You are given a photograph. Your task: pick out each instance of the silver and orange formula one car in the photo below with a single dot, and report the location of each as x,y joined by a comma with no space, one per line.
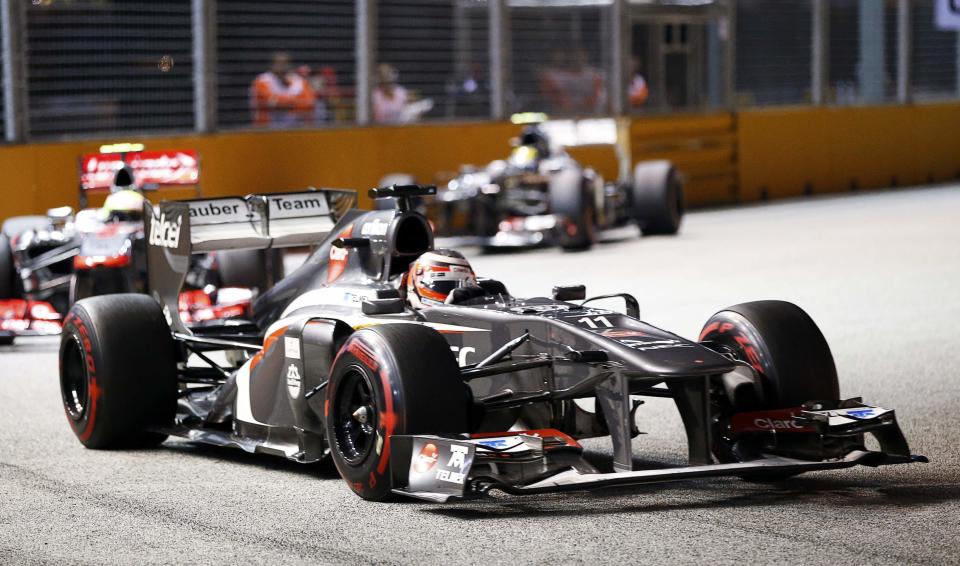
452,399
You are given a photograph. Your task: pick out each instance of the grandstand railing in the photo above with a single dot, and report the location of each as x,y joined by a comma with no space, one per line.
83,68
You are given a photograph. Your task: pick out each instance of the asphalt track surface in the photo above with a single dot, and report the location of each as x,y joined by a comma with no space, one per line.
879,272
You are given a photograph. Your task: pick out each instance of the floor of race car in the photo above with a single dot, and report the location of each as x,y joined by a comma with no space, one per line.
878,272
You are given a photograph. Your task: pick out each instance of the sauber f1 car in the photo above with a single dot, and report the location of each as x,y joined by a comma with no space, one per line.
419,379
540,195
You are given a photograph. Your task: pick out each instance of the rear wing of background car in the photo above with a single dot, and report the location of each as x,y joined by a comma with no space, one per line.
602,143
152,170
175,230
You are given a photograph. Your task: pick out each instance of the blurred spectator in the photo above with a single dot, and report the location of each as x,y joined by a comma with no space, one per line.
281,96
303,97
328,94
269,94
469,94
389,98
638,90
574,88
393,104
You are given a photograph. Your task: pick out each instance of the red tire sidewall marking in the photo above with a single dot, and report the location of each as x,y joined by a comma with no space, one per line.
740,340
84,427
366,354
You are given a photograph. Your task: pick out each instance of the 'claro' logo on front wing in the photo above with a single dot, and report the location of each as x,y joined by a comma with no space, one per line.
777,424
165,233
777,420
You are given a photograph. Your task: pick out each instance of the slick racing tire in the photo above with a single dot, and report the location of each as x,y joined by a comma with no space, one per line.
658,202
8,273
250,268
118,371
571,203
783,345
787,351
388,380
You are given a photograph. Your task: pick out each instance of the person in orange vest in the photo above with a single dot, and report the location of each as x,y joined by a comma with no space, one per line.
303,102
272,95
639,91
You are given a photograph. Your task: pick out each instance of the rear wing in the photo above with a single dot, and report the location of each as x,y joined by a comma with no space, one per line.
152,170
175,230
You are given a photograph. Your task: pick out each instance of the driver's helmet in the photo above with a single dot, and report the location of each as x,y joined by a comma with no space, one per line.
124,180
124,205
525,157
532,146
534,136
435,275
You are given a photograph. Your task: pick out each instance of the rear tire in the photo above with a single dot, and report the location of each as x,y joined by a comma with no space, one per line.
118,375
407,382
571,203
658,203
250,268
8,273
787,351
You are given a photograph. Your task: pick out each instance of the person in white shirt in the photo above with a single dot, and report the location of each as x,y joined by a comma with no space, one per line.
389,98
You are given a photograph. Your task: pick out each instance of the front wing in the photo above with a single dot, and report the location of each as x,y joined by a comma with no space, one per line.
438,468
21,317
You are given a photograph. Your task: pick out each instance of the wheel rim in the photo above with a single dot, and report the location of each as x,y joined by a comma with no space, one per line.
355,416
73,379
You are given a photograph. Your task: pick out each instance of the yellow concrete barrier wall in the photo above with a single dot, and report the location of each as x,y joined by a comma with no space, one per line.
725,157
40,176
703,147
794,151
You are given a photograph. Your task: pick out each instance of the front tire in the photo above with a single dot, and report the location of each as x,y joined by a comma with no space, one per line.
571,203
785,347
658,202
118,377
389,380
787,351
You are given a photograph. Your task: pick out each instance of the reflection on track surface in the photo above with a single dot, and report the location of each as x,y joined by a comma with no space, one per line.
878,272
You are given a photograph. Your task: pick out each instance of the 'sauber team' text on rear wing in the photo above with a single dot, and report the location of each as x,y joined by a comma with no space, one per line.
177,229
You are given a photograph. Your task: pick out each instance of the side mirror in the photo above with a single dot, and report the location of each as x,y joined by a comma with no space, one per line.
633,305
570,292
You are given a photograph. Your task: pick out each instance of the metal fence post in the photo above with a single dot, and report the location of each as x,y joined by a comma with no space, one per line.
619,59
820,52
499,47
204,23
13,26
904,50
730,60
366,46
870,73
